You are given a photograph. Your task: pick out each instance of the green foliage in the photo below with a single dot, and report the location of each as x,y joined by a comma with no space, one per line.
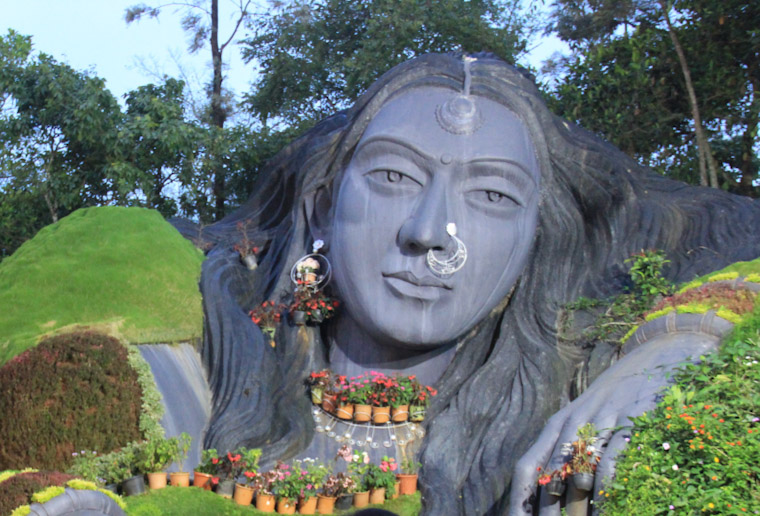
646,273
152,407
127,271
316,56
18,489
624,81
382,476
699,449
72,392
47,494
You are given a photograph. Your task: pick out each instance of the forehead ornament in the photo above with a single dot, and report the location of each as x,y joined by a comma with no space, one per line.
460,114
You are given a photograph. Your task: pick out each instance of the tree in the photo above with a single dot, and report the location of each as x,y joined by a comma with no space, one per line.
316,56
673,85
201,22
57,136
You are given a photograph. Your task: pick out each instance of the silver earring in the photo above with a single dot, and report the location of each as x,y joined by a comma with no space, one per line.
451,259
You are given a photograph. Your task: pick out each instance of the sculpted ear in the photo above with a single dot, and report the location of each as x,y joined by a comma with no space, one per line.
318,208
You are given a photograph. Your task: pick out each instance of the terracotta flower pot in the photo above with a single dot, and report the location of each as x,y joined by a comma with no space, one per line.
381,415
377,496
345,411
265,502
408,484
202,480
400,414
325,504
286,506
362,413
396,490
307,505
243,494
329,402
361,499
180,479
157,480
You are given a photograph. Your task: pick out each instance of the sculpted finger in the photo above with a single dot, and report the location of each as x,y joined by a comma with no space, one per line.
605,472
526,470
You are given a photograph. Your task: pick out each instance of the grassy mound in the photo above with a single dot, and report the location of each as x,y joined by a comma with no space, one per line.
18,489
122,271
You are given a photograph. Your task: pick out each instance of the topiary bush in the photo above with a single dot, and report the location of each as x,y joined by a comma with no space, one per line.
18,489
72,392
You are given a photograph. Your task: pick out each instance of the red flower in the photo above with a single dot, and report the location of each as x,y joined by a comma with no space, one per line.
214,461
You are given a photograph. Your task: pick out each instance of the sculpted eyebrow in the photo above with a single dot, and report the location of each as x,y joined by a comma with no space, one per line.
391,144
512,171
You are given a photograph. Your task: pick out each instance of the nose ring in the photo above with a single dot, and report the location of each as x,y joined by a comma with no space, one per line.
451,259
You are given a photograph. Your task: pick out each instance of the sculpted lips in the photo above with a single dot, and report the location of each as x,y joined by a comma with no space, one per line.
406,284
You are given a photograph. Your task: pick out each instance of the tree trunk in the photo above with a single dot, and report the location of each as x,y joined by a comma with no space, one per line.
217,112
704,152
747,163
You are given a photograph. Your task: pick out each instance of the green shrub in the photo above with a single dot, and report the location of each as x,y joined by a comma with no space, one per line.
72,392
18,489
698,451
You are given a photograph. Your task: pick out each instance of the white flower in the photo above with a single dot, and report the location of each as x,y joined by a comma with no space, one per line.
675,467
666,446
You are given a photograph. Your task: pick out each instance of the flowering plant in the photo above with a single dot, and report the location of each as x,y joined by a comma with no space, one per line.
209,462
422,394
338,485
356,390
232,465
313,473
314,303
319,379
289,482
267,317
263,483
584,456
382,476
557,474
401,392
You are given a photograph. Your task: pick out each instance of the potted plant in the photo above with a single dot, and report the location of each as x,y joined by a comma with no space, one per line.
127,462
250,463
420,401
313,473
335,487
381,480
319,382
400,395
267,317
231,467
311,306
357,469
408,476
245,247
287,487
180,446
206,475
381,386
263,484
553,482
584,457
157,455
358,392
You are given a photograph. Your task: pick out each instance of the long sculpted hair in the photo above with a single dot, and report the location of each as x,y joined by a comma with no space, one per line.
510,373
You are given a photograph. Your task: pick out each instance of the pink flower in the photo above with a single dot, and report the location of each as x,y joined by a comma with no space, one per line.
394,466
309,486
384,467
366,458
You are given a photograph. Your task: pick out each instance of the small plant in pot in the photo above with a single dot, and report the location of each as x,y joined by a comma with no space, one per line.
180,446
250,463
267,317
311,306
158,453
381,480
553,481
319,382
312,473
420,400
409,474
263,484
584,457
287,487
231,467
206,475
245,247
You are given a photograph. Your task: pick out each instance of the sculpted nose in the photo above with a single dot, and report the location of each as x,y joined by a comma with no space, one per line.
426,226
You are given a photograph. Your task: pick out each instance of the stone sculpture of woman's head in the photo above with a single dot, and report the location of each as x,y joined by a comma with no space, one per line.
441,151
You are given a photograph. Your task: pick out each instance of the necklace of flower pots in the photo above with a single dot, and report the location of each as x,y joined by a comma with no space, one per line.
366,434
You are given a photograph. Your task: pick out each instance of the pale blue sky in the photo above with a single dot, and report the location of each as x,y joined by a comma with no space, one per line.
92,35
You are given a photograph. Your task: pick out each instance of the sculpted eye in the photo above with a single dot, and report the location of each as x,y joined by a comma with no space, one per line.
393,176
498,198
495,196
392,181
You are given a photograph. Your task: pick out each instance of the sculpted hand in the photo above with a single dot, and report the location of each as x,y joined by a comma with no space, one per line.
627,389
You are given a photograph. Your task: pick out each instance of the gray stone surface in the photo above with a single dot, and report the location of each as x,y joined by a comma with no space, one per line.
76,502
181,380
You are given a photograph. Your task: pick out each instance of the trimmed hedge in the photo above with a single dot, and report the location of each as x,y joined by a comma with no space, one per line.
18,489
72,392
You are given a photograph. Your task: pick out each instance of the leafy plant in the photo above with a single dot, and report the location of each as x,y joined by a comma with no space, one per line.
382,476
158,454
583,455
180,446
314,303
646,273
209,462
267,317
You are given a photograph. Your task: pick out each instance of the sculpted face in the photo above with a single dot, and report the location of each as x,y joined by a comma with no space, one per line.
412,174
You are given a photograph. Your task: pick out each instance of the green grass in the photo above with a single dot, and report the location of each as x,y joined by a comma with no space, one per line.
183,500
125,271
